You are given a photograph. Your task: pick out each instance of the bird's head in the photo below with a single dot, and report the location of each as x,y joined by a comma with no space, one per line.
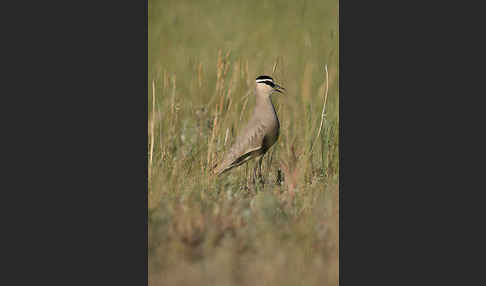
266,85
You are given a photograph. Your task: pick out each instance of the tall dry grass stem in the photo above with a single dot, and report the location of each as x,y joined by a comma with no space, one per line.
152,135
323,110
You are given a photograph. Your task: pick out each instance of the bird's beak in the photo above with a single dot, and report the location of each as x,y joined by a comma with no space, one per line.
279,89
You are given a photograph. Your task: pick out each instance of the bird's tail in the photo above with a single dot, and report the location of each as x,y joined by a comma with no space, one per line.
219,169
215,170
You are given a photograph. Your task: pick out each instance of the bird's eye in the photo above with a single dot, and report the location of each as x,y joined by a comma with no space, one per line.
270,83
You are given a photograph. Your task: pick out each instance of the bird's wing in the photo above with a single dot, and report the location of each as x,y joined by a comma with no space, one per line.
247,144
220,169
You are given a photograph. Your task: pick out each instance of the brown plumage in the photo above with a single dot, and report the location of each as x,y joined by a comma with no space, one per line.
260,133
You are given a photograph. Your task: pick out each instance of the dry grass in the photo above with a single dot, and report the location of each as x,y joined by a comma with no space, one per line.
205,231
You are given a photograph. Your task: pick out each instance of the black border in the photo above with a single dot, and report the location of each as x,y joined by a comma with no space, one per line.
400,72
84,213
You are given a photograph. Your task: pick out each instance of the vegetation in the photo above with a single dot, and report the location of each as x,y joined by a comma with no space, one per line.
203,59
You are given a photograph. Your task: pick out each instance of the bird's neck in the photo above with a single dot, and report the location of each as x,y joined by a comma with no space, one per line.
266,102
263,100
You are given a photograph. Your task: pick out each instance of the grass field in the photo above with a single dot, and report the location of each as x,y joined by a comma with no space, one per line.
203,59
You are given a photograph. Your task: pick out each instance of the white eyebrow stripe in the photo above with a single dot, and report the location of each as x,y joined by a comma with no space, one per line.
264,79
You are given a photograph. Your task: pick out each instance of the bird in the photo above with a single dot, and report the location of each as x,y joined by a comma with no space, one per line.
260,133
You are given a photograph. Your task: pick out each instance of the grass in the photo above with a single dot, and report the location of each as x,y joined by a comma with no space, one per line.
203,59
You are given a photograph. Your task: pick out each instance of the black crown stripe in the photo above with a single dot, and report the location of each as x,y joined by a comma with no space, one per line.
264,77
